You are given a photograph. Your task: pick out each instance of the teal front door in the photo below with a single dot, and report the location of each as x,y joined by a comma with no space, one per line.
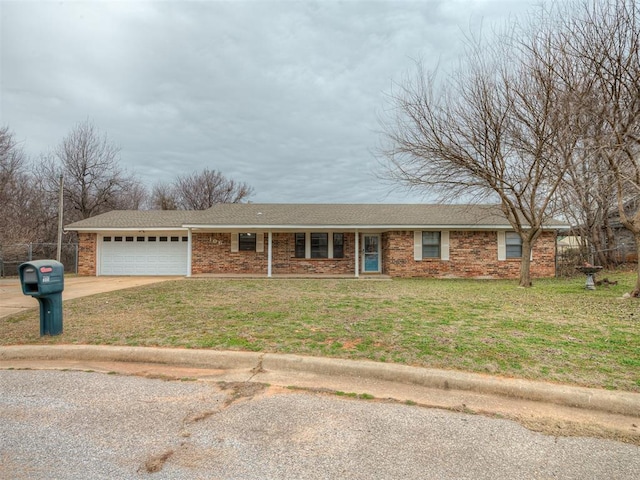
371,260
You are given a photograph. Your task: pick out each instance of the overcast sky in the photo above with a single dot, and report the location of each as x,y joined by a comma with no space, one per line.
283,95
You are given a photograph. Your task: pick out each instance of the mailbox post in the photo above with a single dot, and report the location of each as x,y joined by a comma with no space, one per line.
44,280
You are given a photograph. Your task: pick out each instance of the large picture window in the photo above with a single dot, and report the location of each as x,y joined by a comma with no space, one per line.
430,244
247,242
513,245
319,245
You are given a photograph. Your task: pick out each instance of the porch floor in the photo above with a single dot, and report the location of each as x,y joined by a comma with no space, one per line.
367,276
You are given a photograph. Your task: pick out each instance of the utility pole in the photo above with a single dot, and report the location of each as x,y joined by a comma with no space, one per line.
60,210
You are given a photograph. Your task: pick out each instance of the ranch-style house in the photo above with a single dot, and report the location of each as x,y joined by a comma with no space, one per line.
411,240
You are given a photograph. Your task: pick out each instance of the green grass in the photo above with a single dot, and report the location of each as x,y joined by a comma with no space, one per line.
555,331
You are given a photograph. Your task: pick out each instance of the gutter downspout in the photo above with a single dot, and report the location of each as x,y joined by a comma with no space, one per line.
189,245
269,252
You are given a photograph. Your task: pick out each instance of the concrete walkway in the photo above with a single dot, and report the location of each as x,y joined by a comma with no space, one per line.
552,408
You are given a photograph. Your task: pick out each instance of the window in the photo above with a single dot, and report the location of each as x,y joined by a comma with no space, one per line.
430,244
514,245
163,239
319,245
184,239
300,245
338,245
247,242
152,239
128,239
106,239
117,239
175,239
140,239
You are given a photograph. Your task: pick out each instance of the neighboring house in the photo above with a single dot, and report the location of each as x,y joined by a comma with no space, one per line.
622,240
442,241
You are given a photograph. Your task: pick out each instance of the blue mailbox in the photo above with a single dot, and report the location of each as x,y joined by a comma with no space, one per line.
44,280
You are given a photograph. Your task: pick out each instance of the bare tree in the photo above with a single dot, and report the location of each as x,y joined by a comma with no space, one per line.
498,127
135,198
604,39
12,162
163,196
202,190
94,182
588,197
12,176
23,209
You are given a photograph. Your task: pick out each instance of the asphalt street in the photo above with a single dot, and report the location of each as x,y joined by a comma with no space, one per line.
79,425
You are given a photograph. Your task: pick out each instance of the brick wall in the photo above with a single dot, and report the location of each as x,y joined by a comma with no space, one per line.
212,254
87,243
473,254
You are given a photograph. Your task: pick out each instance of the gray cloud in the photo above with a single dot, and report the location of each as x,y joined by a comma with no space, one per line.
283,95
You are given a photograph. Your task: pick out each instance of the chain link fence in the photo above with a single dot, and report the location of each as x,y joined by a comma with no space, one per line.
569,257
13,255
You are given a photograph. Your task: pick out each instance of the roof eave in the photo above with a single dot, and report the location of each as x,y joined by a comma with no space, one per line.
123,229
360,227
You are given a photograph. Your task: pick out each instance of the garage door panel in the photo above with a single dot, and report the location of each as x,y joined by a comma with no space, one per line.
143,258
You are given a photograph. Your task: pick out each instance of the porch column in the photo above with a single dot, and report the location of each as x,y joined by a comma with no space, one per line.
189,244
269,252
357,254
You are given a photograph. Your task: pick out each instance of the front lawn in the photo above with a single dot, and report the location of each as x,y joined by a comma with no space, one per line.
555,331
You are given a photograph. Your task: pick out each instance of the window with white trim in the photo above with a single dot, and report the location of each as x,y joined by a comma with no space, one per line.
319,245
301,245
247,242
513,244
338,245
430,244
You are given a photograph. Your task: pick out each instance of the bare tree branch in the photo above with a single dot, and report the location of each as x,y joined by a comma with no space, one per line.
202,190
94,182
498,127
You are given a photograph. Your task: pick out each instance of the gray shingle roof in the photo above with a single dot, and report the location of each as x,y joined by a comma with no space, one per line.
134,219
310,215
348,215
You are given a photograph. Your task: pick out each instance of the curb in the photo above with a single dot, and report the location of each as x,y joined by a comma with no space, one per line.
624,403
224,360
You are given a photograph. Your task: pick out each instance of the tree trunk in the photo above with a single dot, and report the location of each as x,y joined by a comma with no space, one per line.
596,253
611,254
525,264
636,289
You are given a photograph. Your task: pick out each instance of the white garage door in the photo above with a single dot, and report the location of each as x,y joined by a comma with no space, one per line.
143,255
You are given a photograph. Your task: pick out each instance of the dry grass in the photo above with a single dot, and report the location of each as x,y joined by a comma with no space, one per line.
554,331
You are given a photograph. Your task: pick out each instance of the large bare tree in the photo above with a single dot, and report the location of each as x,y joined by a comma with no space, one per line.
94,181
499,127
198,191
163,196
603,39
12,161
587,199
23,210
12,177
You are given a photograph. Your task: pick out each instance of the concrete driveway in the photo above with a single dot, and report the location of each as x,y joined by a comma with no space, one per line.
12,300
